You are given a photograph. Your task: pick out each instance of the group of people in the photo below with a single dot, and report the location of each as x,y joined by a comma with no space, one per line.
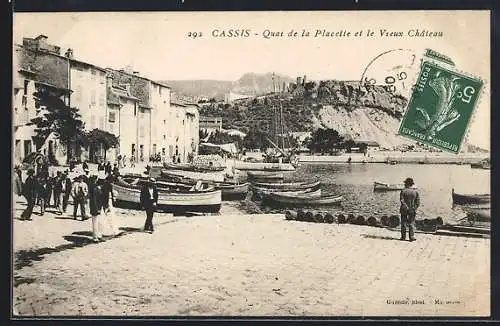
88,191
43,190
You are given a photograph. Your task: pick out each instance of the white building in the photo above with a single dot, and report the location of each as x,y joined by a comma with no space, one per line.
184,127
26,81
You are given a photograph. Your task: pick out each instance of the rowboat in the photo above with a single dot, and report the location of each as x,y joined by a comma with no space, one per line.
287,186
485,165
172,197
303,194
254,166
203,176
265,175
192,167
479,214
232,190
470,199
301,200
381,186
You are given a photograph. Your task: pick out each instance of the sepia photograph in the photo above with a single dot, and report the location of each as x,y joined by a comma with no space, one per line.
251,164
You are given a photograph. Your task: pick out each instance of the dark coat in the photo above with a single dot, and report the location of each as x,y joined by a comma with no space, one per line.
67,189
146,200
107,192
30,188
41,187
95,198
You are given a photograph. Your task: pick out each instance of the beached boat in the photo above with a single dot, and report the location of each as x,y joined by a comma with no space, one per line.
232,190
177,198
192,167
261,166
485,165
265,175
461,199
287,186
482,214
203,176
381,186
302,193
301,200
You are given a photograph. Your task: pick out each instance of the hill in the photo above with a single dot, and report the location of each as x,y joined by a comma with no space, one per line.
200,88
248,84
358,112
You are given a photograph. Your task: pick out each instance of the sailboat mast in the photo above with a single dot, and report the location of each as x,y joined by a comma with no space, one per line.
282,126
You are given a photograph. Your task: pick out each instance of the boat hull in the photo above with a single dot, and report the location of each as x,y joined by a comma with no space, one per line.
176,202
470,199
301,201
265,175
380,186
233,191
192,168
289,186
263,166
203,176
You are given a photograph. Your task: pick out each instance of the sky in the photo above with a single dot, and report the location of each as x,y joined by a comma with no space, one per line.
158,45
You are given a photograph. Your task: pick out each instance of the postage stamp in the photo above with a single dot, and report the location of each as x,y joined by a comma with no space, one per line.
440,107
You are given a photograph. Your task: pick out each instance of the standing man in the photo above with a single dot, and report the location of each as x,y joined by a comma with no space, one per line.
57,188
66,189
29,192
41,185
149,200
95,205
106,200
79,192
107,168
410,201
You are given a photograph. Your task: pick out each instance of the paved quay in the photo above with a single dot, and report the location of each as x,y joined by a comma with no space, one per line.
243,265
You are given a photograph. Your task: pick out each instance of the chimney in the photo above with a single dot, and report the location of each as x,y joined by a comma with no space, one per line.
69,53
304,80
109,79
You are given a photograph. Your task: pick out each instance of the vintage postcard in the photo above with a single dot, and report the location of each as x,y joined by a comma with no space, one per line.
305,163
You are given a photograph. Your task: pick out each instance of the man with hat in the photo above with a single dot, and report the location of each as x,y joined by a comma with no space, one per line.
66,189
105,182
410,200
29,192
95,207
149,200
79,192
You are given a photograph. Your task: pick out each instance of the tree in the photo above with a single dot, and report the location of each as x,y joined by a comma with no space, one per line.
58,119
98,137
348,144
325,140
255,139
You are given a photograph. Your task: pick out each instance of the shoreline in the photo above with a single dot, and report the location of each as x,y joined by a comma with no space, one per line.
398,157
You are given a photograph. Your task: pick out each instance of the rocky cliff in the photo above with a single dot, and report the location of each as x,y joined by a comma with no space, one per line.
361,113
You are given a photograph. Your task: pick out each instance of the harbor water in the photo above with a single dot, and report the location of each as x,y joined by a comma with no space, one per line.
355,183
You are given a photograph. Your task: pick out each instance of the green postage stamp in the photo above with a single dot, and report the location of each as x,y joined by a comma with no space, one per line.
440,107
